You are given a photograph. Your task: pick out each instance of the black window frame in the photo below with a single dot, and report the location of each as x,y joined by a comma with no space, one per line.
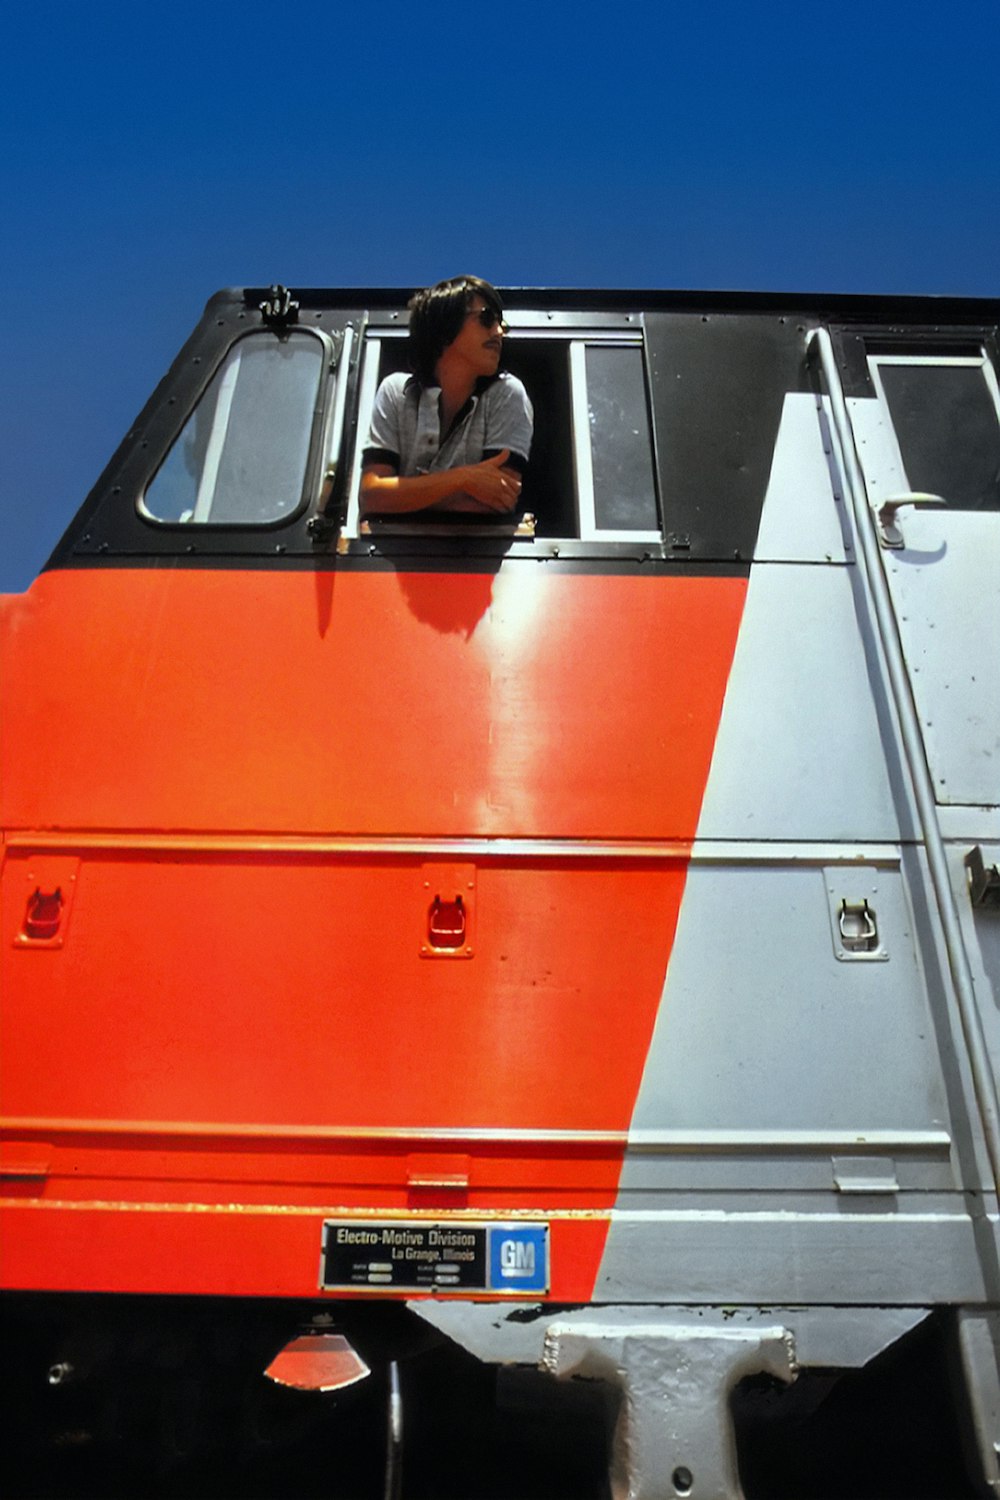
328,401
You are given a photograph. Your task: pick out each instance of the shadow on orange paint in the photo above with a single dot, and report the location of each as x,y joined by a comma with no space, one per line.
454,604
325,576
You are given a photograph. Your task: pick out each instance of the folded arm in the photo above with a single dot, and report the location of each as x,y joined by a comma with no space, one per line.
489,486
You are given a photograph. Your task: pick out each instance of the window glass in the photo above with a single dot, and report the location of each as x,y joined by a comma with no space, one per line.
620,442
242,455
948,431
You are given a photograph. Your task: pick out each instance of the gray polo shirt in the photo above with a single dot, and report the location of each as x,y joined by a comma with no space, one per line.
406,425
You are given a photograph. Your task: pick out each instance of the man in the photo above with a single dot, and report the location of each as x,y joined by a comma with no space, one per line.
455,435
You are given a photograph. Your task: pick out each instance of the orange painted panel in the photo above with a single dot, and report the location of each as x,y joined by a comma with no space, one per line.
277,992
265,990
529,703
266,1252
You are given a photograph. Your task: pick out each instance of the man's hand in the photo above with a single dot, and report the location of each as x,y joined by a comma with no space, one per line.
489,482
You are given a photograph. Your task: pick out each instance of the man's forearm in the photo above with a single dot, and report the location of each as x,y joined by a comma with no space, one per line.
393,495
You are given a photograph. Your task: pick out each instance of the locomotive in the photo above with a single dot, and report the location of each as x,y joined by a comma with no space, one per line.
572,942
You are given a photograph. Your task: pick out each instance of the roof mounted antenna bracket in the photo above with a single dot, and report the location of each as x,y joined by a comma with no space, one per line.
279,309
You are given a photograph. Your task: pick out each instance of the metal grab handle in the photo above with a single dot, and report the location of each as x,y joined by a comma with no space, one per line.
858,929
888,528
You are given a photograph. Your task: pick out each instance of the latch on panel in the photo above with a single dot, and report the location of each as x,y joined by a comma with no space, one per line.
983,879
854,922
858,927
447,910
446,924
44,913
51,885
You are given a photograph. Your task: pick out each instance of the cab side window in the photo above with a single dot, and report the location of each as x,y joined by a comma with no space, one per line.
243,457
618,497
591,473
945,414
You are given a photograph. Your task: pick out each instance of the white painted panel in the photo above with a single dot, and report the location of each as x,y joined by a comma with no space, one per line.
801,752
945,587
802,519
763,1028
877,448
970,825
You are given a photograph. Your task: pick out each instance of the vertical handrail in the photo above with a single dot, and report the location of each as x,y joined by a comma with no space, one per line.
983,1081
332,456
394,1437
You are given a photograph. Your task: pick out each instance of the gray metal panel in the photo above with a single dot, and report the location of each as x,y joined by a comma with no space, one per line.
970,825
761,1027
847,1257
672,1176
877,448
820,1052
970,1153
945,586
802,519
801,752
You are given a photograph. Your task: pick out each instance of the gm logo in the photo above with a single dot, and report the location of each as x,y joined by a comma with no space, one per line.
519,1256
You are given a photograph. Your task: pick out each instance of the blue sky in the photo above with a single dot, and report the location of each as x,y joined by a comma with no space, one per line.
152,155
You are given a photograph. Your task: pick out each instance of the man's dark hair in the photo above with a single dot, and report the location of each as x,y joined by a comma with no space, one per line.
436,317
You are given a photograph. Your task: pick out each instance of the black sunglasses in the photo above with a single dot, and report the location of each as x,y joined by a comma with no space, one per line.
489,318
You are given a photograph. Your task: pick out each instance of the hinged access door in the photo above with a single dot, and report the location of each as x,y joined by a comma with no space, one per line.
927,431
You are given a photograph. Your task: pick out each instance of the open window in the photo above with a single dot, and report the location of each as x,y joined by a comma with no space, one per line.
253,450
944,414
591,473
